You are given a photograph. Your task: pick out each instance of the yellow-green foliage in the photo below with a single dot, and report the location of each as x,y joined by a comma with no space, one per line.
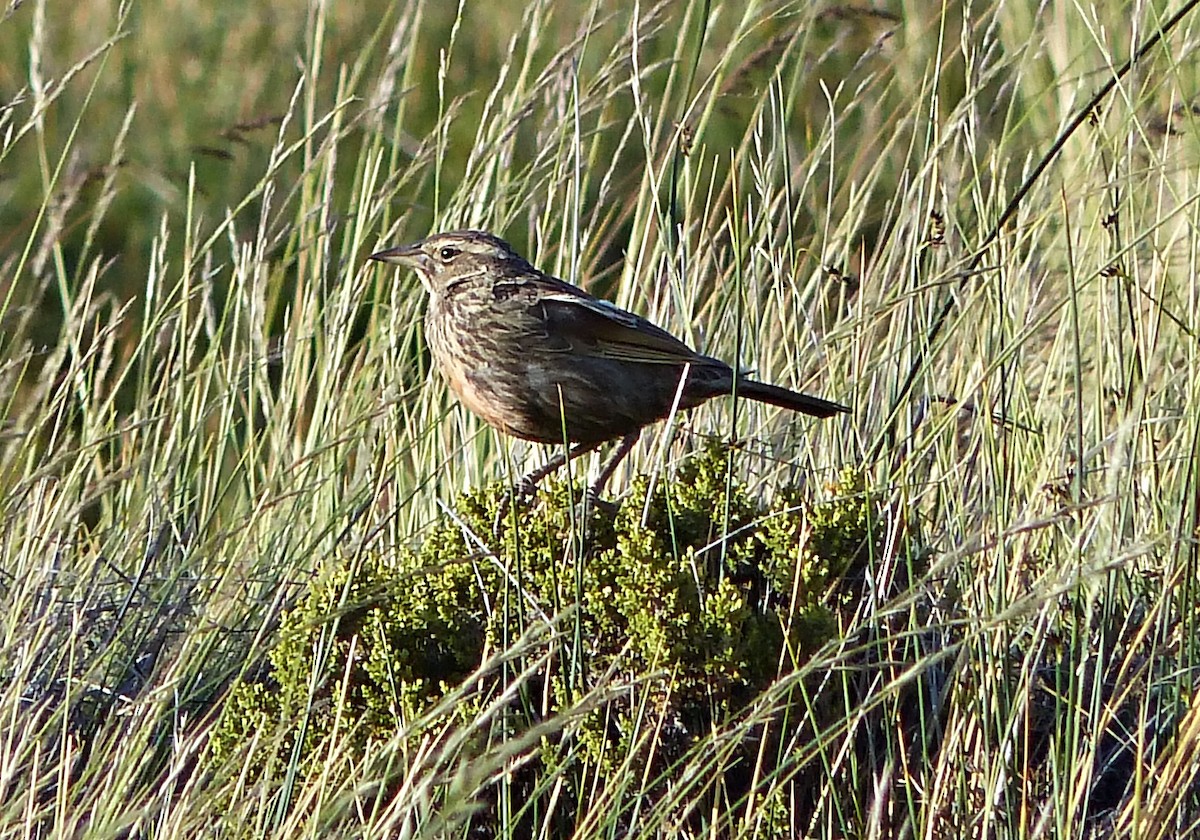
697,591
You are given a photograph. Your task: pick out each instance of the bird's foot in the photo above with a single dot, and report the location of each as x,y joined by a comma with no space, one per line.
518,494
592,500
525,489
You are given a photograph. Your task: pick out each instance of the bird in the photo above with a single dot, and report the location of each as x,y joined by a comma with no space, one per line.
541,359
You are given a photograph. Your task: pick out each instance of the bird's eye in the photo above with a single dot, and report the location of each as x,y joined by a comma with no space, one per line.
447,253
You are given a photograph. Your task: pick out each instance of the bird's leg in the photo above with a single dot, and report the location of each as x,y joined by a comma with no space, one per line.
610,466
528,483
614,460
530,480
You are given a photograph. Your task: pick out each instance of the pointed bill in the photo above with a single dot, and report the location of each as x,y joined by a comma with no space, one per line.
410,256
406,255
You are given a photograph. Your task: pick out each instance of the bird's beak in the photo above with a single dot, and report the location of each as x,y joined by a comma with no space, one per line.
410,256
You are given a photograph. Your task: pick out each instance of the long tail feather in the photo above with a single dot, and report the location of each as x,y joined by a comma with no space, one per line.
791,400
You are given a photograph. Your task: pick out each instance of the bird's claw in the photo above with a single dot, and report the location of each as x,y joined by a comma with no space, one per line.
517,494
592,500
524,489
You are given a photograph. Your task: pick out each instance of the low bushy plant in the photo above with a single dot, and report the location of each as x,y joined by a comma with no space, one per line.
695,594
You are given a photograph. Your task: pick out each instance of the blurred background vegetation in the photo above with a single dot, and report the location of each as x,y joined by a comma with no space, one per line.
168,111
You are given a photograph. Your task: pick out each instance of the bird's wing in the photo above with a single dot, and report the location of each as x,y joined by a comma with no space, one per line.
584,324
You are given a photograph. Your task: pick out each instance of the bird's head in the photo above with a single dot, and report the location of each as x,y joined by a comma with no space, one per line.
446,258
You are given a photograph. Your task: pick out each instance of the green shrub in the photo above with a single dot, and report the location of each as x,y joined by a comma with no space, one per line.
694,592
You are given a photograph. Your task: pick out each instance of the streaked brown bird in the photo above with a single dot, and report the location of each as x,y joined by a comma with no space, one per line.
543,360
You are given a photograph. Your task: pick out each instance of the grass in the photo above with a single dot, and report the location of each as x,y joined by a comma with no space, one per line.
209,397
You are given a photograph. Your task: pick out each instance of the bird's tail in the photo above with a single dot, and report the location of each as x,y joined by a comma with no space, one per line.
790,400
